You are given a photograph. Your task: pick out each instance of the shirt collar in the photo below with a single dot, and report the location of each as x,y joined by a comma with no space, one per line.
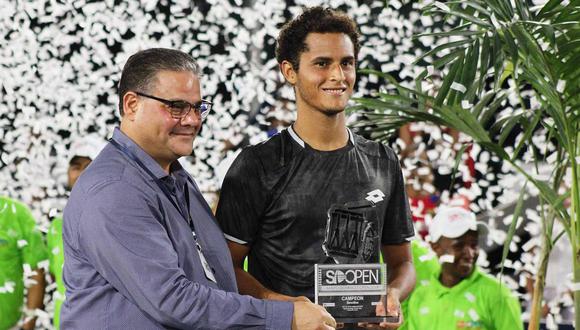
466,282
145,158
301,142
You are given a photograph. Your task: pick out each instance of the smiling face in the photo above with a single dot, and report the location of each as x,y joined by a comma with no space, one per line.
327,73
464,249
149,124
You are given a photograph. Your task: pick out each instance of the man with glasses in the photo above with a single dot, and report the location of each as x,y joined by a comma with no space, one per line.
142,248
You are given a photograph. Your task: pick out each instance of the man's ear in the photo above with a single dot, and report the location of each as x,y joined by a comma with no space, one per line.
288,71
130,105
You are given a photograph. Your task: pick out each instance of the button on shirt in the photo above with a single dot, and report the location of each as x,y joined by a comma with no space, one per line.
131,257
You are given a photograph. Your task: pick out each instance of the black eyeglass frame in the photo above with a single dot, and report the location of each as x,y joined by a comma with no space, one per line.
172,105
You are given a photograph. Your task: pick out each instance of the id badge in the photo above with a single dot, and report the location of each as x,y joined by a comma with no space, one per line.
206,267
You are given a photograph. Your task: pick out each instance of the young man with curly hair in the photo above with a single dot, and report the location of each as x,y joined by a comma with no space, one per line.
277,195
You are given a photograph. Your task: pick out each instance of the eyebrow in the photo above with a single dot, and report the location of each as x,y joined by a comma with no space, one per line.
330,59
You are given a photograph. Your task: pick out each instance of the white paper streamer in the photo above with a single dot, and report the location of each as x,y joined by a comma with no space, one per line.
447,258
458,87
575,286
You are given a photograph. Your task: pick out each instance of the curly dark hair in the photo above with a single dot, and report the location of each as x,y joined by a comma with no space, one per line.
292,39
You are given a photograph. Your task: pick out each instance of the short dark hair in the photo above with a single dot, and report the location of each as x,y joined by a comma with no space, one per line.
292,38
142,67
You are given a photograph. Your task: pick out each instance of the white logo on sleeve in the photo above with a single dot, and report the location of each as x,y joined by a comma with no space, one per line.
375,196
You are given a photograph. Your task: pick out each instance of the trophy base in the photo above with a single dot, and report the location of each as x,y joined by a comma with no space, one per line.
370,319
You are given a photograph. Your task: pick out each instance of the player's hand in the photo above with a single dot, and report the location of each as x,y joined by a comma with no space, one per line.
300,298
308,316
393,310
283,297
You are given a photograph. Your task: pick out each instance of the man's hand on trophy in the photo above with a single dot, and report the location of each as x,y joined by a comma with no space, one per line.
393,312
308,316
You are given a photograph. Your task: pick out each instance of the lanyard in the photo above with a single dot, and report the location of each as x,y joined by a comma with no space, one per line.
160,184
208,270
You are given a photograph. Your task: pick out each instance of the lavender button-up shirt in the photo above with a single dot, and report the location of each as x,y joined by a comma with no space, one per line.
131,259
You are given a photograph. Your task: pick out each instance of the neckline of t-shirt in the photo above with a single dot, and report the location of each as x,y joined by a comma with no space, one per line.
306,146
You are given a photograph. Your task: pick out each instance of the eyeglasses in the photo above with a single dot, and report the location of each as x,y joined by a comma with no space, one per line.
179,108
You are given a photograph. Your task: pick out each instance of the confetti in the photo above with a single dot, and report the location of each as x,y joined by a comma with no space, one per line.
458,87
447,258
470,296
67,67
473,314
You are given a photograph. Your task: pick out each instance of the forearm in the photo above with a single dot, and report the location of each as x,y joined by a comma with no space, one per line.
401,280
249,285
35,297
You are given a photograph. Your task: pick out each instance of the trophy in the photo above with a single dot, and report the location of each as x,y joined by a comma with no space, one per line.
351,287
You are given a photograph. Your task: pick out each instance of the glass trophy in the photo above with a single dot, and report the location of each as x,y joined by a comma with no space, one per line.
351,286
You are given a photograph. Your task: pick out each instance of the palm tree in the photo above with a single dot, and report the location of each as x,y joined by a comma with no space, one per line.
495,44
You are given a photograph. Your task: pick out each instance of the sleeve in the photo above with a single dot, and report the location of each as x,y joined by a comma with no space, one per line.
506,310
122,236
34,250
243,198
398,224
51,245
410,313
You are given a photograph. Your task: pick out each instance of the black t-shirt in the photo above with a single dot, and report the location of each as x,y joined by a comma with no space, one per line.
278,196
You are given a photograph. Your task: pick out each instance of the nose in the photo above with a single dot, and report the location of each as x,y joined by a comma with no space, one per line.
193,118
470,252
336,73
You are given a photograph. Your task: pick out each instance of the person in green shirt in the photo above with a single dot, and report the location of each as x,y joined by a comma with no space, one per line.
82,152
426,264
21,252
460,295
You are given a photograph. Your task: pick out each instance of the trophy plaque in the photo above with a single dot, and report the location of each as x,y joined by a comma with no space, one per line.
351,286
350,292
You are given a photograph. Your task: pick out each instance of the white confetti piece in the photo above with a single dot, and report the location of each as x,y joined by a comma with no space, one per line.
44,264
8,287
459,314
21,243
442,6
458,87
470,296
430,70
447,258
426,257
575,286
424,310
28,282
561,86
473,314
